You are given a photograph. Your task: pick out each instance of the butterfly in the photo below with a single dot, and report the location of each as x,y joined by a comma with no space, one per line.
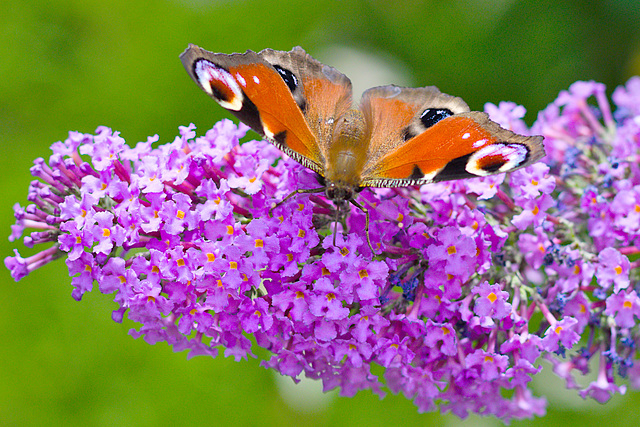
396,137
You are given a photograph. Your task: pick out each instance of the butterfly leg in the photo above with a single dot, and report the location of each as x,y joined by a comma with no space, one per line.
295,193
366,222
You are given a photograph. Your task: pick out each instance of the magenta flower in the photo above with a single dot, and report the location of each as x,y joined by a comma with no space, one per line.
475,282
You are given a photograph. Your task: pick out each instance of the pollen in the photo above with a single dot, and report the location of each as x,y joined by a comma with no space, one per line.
576,269
259,243
535,210
78,240
122,279
83,213
252,180
193,311
352,347
637,208
558,330
488,358
363,274
445,331
325,271
257,313
331,296
87,267
301,233
400,217
618,269
395,345
106,232
344,251
289,257
211,257
233,265
627,304
229,230
217,200
299,294
151,299
452,250
155,269
534,182
475,225
180,262
583,308
219,283
180,214
300,207
492,297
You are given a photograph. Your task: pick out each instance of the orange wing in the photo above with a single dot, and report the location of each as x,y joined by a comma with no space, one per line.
420,136
286,96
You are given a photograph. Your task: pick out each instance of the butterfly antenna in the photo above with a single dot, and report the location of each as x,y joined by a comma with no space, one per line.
335,223
295,193
366,222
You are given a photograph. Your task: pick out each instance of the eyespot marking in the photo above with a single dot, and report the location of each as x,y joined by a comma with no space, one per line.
497,158
431,116
219,84
289,78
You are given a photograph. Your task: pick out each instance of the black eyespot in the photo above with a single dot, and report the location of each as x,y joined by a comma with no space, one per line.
281,138
431,116
494,166
289,78
407,134
417,173
219,95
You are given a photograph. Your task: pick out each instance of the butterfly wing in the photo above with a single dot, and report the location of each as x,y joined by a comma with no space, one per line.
288,97
420,135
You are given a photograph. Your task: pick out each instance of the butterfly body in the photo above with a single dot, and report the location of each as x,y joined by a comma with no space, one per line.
395,137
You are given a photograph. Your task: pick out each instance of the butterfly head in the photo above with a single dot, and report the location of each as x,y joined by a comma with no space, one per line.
340,193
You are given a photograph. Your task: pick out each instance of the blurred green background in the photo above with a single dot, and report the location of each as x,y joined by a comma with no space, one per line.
75,65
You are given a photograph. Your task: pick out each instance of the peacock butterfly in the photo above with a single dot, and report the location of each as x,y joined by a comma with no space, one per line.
397,137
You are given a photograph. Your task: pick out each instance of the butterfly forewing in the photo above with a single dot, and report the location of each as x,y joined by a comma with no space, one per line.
253,90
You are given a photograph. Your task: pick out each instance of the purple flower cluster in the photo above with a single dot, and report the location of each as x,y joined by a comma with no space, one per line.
473,283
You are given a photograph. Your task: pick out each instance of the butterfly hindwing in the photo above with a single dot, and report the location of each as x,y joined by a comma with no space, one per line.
322,92
442,140
394,114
